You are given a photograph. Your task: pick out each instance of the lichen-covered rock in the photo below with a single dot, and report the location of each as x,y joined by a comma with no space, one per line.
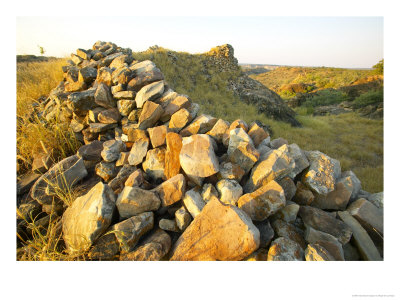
284,249
263,202
133,201
82,102
219,232
88,217
125,107
316,252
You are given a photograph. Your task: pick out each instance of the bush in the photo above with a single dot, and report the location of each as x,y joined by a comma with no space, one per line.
326,97
378,68
372,97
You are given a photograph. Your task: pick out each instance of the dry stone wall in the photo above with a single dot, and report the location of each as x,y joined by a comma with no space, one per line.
159,181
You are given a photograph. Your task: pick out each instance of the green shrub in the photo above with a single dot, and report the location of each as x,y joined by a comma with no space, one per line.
378,68
326,97
372,97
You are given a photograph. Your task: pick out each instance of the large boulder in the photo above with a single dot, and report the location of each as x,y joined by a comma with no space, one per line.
88,217
219,232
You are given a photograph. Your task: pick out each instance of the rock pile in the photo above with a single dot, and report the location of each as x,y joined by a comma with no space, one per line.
159,181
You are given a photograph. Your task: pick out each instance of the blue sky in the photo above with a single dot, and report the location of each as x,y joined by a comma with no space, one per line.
308,41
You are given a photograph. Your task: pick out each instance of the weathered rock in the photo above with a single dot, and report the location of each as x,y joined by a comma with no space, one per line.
133,201
121,61
266,233
138,151
42,162
284,249
220,232
29,211
157,135
288,187
229,191
112,149
100,127
144,79
83,54
154,164
218,130
193,202
134,134
244,155
103,96
258,255
125,107
264,148
376,199
352,182
149,92
182,218
237,136
323,221
322,173
106,170
174,146
135,179
228,170
350,253
150,114
25,182
303,195
274,166
105,248
168,225
62,175
336,199
125,95
117,183
173,106
142,67
88,217
277,143
76,126
284,229
94,113
316,252
300,160
179,120
104,75
288,213
172,190
109,116
122,159
154,248
235,124
264,202
361,238
208,192
257,134
82,102
200,125
87,75
117,88
197,157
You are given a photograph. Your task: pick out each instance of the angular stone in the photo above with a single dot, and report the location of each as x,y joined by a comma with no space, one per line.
193,202
106,248
109,116
138,152
82,102
352,182
245,155
284,229
154,164
284,249
172,190
112,149
264,202
76,126
157,135
376,199
125,95
323,221
209,192
300,160
176,104
83,54
166,98
288,213
275,166
229,191
277,143
117,88
122,159
103,96
350,253
76,59
329,242
154,248
89,136
135,179
88,217
150,114
220,232
288,187
316,252
303,195
362,240
264,148
174,146
134,134
142,67
197,157
106,170
179,120
25,182
135,115
218,130
93,114
257,134
258,255
228,170
117,183
100,127
133,201
200,125
87,75
237,136
182,218
149,92
104,75
121,61
266,233
336,199
144,79
125,107
168,225
235,124
63,175
322,173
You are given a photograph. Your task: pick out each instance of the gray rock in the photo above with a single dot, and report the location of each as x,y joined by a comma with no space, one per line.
82,102
376,199
193,202
168,225
133,201
350,253
112,149
336,199
25,182
106,170
284,229
87,75
228,170
118,182
209,192
351,180
277,143
288,213
316,252
288,187
266,233
182,218
300,160
100,127
149,92
284,249
88,217
229,191
154,164
329,242
103,96
138,152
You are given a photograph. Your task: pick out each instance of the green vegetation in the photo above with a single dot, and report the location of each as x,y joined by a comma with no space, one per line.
378,68
371,97
326,97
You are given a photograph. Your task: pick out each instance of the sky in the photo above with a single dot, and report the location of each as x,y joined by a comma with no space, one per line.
349,42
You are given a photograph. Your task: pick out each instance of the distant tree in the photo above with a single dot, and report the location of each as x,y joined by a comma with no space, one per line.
378,67
41,50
